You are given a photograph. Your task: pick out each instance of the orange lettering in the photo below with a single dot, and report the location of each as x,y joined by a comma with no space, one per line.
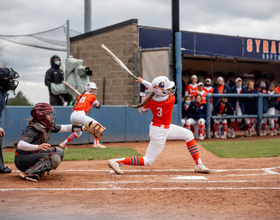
249,45
265,46
258,43
273,47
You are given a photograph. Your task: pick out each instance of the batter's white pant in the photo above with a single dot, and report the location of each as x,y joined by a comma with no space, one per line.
270,111
158,137
237,112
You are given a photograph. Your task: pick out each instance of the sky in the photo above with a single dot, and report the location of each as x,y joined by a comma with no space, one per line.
245,18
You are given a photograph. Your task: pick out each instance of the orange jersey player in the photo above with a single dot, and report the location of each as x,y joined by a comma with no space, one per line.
161,128
202,92
83,104
192,87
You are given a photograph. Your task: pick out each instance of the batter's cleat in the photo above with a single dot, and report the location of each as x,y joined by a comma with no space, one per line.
63,146
98,146
29,177
115,166
6,170
201,168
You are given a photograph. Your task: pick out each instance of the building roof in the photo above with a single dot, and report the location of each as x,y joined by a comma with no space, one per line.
105,29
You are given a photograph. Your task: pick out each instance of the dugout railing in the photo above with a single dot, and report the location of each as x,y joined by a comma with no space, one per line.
259,116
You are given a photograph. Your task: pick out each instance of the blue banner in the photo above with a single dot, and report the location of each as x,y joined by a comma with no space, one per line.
213,45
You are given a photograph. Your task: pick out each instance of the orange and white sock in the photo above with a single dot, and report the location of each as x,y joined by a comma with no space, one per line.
96,141
134,161
70,138
193,151
225,128
216,126
201,130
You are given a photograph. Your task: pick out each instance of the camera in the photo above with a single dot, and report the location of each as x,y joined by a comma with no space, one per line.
88,71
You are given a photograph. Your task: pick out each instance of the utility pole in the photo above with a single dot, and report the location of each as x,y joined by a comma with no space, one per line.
87,12
176,52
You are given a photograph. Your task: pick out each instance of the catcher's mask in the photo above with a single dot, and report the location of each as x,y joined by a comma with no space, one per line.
7,78
40,112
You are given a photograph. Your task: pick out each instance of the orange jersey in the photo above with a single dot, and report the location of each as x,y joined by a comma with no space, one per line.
203,96
209,89
191,89
277,89
85,103
162,111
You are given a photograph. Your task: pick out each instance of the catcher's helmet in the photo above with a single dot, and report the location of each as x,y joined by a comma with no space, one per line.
90,86
162,86
39,113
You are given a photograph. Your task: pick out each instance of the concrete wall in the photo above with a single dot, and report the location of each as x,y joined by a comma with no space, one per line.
123,41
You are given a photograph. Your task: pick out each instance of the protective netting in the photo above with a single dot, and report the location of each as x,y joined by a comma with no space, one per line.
54,39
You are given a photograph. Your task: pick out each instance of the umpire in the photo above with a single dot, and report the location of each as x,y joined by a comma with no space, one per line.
7,82
54,75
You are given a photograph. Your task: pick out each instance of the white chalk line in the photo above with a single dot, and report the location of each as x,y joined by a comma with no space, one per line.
139,189
177,181
267,170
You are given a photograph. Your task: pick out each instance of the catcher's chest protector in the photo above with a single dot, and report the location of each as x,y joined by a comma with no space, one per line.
45,135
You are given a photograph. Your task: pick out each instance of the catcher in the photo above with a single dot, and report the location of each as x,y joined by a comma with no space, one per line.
82,105
34,156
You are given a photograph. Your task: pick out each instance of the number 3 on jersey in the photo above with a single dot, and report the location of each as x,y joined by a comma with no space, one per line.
159,114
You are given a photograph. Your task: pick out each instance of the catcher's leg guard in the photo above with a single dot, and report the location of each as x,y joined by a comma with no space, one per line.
60,152
45,164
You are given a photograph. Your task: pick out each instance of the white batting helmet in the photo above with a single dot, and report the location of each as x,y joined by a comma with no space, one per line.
90,86
162,85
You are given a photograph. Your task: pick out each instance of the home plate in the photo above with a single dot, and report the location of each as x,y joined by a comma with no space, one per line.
190,178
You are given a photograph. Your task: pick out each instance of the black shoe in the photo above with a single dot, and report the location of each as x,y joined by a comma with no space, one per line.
6,170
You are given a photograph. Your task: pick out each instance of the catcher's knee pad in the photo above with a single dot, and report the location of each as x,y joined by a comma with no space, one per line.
59,151
55,159
42,166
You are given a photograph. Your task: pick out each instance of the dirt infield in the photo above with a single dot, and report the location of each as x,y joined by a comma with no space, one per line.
169,189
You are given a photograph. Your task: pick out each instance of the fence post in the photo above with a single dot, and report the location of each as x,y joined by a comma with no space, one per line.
260,112
208,113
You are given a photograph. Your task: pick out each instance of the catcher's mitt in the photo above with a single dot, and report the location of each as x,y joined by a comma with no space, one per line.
95,129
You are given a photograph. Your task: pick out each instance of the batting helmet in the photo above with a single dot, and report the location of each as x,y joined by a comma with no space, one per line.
162,85
39,113
90,86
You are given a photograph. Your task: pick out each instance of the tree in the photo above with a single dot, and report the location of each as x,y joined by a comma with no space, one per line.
19,99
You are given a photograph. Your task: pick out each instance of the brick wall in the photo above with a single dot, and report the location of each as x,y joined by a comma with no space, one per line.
119,86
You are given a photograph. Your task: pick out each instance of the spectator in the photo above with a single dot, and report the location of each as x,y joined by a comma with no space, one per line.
222,108
271,103
54,75
196,115
192,87
220,88
238,105
277,109
209,89
202,92
185,105
7,82
250,108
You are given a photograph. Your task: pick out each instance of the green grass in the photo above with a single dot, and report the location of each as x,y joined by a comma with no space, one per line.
244,149
88,154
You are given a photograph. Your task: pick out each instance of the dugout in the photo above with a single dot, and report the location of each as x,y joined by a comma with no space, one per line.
146,51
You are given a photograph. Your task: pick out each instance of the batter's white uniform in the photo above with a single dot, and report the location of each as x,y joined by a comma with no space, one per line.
161,128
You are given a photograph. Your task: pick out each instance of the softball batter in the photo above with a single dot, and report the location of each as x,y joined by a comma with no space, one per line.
83,104
161,128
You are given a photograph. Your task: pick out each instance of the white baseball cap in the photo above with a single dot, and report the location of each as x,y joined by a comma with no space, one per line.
208,80
194,76
220,78
200,84
238,79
